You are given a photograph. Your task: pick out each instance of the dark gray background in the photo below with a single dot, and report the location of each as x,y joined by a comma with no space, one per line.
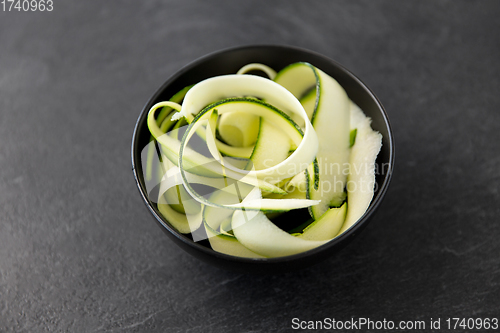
79,252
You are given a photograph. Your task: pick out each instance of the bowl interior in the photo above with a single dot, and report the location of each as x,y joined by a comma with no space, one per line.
277,57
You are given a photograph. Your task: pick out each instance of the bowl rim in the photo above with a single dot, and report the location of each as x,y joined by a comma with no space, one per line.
374,204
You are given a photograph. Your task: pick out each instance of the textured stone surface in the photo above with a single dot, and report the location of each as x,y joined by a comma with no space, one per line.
79,252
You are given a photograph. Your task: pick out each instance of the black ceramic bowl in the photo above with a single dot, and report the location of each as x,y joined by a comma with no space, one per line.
277,57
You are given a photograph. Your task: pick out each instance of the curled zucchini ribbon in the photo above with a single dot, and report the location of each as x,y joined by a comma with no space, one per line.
230,151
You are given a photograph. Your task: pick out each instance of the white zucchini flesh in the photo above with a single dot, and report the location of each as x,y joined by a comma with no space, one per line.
361,179
332,124
178,198
264,136
282,131
300,158
184,223
227,150
165,123
150,159
257,233
225,228
271,148
194,162
170,144
272,117
173,177
271,73
298,78
327,226
331,121
202,165
190,220
221,87
308,101
239,129
227,86
214,217
229,245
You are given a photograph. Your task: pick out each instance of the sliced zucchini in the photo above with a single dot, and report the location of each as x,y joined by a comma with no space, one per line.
228,150
327,226
260,136
239,129
215,217
229,245
308,101
271,73
225,227
164,120
331,122
298,160
226,86
150,159
184,223
272,146
361,179
173,177
176,98
297,78
193,161
275,173
257,233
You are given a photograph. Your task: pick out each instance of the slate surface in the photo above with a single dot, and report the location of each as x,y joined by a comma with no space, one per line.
79,252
